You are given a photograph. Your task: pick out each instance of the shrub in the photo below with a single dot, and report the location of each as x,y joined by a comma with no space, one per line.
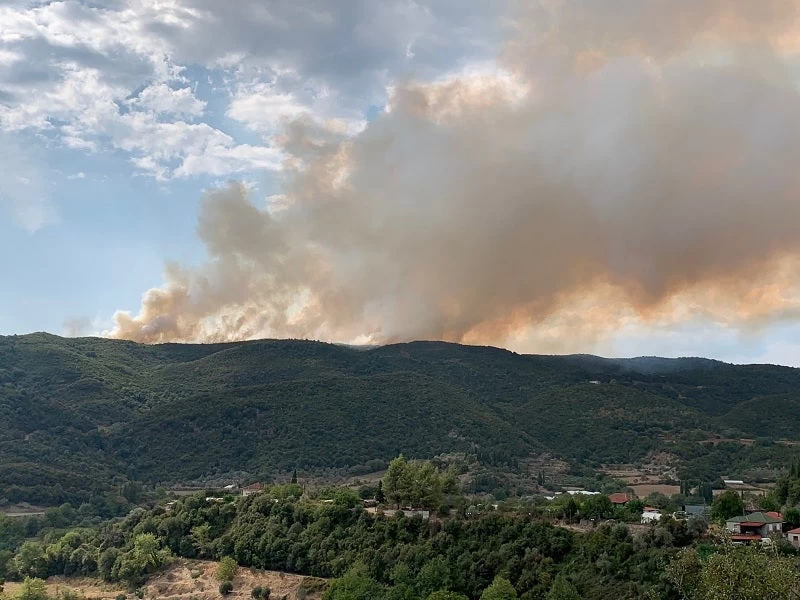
226,570
225,588
261,593
195,573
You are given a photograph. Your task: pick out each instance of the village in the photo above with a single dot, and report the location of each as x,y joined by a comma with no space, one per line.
582,510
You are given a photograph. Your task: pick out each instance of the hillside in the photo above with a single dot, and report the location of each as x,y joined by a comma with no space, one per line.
77,413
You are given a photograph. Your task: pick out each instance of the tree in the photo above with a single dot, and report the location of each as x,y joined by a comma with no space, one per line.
32,588
380,497
500,589
597,507
443,595
738,572
792,517
202,539
562,590
29,560
294,476
226,570
728,504
394,485
355,585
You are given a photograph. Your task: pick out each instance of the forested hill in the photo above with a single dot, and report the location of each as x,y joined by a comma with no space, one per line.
76,412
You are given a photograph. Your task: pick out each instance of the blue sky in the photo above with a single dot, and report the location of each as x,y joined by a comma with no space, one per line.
119,120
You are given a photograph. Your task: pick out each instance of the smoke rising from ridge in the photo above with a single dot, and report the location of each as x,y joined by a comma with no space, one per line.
634,163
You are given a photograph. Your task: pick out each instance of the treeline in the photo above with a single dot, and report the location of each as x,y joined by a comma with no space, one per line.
408,558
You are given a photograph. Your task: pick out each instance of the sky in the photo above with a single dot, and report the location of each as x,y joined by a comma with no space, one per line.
606,176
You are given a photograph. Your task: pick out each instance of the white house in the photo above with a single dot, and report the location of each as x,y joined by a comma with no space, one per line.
794,537
650,515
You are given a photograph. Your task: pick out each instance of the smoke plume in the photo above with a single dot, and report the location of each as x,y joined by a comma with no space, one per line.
627,160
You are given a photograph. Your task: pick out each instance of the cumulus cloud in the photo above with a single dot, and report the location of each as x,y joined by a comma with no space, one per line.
160,98
613,169
111,75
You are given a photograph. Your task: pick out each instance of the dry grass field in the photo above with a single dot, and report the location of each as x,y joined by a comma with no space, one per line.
194,580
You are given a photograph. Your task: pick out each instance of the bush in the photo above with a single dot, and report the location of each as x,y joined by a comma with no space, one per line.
195,573
225,588
261,593
226,570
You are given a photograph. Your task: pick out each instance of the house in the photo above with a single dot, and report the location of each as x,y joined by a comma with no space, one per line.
251,489
794,537
409,513
702,511
619,498
753,527
650,515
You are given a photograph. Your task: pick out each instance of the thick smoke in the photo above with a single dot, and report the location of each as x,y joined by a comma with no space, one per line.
635,159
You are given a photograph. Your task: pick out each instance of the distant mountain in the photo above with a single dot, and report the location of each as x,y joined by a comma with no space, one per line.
77,413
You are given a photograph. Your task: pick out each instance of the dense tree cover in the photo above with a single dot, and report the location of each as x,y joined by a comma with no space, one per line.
486,555
734,573
416,483
77,413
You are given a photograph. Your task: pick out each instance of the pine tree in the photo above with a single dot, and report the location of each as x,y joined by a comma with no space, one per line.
294,476
379,495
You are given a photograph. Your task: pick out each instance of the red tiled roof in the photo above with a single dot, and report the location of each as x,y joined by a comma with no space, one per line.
619,498
254,486
752,524
796,530
774,515
745,537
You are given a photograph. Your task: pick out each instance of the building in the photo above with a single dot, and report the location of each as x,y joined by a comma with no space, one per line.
409,513
794,537
619,498
650,515
698,510
251,489
753,527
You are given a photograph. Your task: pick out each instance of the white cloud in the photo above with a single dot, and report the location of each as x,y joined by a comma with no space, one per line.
261,107
100,75
162,99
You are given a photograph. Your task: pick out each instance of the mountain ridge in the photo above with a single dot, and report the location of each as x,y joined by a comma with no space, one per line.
81,413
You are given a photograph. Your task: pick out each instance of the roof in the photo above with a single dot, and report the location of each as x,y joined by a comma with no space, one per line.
774,514
254,486
796,530
697,509
756,518
619,498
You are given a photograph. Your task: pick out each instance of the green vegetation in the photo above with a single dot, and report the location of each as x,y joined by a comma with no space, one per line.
741,573
491,554
510,551
82,420
226,570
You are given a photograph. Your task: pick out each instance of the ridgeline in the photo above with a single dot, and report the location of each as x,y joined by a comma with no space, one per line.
78,415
